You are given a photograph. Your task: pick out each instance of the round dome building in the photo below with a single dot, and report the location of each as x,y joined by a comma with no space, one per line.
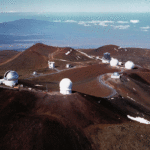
65,86
114,62
129,65
11,78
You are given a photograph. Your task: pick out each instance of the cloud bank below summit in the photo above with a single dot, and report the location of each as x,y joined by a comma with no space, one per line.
114,24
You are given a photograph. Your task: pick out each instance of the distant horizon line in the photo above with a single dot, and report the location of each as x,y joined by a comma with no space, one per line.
73,12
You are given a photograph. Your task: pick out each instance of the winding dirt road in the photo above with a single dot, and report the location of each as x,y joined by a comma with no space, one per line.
101,81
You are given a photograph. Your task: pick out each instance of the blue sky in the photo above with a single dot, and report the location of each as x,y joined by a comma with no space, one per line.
74,6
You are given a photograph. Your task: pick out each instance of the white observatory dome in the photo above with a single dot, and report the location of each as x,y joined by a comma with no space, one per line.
11,78
115,75
129,65
34,73
65,86
11,75
114,62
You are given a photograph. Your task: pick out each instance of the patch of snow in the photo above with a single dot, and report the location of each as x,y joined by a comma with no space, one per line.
62,60
38,85
68,52
134,89
139,119
130,98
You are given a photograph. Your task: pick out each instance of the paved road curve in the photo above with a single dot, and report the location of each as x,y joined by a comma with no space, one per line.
113,91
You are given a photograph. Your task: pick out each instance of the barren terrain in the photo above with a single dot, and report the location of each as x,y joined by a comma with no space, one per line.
97,115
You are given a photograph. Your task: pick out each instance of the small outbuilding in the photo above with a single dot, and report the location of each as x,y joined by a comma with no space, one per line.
115,75
114,62
68,66
51,65
10,78
65,86
129,65
120,63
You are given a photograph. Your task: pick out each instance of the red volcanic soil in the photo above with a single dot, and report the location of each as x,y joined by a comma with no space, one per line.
27,60
84,79
36,59
41,119
5,55
79,74
43,49
134,88
72,56
139,56
31,120
142,76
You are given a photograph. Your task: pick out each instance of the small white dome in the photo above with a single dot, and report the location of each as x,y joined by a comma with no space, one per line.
34,73
65,86
129,65
114,62
11,75
68,66
116,74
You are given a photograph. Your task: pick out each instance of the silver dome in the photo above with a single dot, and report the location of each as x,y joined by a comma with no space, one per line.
11,75
116,74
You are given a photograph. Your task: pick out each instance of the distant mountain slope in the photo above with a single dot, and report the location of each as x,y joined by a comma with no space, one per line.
24,26
112,49
36,57
139,56
43,49
70,54
7,54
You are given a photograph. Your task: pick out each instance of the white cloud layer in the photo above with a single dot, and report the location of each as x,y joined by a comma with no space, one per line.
134,21
122,22
95,22
57,20
71,21
122,27
83,23
87,25
146,29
